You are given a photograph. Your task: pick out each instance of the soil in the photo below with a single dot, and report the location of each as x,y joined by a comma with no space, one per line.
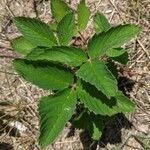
18,98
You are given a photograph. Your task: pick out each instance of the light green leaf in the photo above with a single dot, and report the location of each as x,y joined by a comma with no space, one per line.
99,123
124,103
113,38
83,14
55,111
115,52
68,55
21,45
35,31
59,9
96,73
98,103
66,28
101,23
53,26
123,59
47,76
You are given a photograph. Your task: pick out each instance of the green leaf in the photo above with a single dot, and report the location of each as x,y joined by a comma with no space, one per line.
47,76
83,14
115,52
123,59
68,55
96,73
21,45
55,111
101,23
66,28
98,103
113,38
59,9
35,31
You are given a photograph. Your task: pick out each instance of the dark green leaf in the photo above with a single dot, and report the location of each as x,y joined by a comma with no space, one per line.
59,9
101,23
96,73
35,31
83,14
55,111
68,55
112,67
113,38
47,76
21,45
66,28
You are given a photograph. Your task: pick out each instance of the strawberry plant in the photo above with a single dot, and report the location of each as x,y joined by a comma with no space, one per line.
83,79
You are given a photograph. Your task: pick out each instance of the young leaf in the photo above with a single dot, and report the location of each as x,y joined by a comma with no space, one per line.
47,76
35,31
83,14
59,9
113,38
96,73
94,124
21,45
98,103
55,111
66,28
99,123
101,23
115,52
68,55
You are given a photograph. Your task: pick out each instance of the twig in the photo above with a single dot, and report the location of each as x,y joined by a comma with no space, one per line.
8,9
5,56
117,11
142,46
8,73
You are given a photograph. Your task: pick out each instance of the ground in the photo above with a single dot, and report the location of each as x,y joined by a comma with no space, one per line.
18,98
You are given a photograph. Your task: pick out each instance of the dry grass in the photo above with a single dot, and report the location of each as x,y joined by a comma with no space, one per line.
18,99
